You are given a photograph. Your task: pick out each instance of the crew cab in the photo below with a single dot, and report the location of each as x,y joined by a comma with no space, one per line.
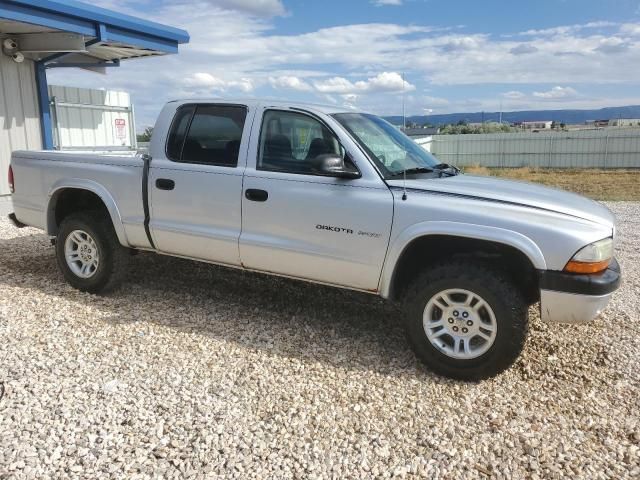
336,197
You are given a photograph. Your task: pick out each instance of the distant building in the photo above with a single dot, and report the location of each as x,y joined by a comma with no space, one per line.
625,122
485,124
421,132
582,126
538,125
598,123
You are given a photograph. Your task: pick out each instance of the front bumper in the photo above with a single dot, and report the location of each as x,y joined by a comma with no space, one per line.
570,298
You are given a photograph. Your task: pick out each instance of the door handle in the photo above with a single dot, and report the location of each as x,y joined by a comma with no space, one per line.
256,195
165,184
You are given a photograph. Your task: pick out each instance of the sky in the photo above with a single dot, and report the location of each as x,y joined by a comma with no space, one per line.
439,56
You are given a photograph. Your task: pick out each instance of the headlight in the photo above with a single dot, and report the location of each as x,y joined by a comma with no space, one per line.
593,258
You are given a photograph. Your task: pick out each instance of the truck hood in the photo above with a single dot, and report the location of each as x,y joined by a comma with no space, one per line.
514,192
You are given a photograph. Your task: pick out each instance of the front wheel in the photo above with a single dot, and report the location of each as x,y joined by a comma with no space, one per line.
466,320
89,253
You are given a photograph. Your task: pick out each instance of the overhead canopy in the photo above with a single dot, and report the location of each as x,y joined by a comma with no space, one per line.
67,33
75,34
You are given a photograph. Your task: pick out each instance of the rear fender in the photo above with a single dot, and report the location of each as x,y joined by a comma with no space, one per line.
91,186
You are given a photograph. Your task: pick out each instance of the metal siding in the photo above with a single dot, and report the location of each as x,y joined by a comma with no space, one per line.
19,115
608,148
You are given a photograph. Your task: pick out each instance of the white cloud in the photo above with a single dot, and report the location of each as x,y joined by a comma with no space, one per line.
513,95
523,49
335,85
462,43
568,29
382,3
632,29
350,97
613,45
557,93
435,102
202,81
290,82
260,8
383,82
330,99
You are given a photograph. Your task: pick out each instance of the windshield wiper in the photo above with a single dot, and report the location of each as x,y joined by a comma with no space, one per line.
409,171
448,169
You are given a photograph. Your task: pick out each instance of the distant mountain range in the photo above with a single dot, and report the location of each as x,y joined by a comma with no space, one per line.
559,116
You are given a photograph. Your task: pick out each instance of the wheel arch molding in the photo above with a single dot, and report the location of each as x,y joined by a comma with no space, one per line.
443,230
78,186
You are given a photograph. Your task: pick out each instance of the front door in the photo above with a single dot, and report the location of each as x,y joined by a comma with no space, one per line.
298,223
195,189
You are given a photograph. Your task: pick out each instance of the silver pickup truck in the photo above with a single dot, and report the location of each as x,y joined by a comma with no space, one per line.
336,197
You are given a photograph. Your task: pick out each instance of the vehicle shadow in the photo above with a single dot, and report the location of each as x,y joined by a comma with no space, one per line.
345,329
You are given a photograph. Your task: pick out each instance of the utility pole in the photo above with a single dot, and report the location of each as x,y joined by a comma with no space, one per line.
404,119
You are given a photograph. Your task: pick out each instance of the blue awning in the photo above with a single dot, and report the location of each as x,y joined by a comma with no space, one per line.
55,34
108,35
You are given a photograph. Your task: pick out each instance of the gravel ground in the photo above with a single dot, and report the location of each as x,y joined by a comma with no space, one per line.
197,371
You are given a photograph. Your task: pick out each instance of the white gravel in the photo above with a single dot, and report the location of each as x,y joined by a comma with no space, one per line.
197,371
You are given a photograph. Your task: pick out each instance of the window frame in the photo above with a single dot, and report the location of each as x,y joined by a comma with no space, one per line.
298,111
195,106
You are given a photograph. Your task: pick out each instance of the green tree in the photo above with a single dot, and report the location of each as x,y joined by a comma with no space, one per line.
146,135
465,129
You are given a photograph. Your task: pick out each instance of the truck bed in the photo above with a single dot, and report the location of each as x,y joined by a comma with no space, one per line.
115,178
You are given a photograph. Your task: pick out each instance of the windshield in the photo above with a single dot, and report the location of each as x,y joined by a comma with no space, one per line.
391,150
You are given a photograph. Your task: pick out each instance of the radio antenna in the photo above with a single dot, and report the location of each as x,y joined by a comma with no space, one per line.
404,184
404,130
404,118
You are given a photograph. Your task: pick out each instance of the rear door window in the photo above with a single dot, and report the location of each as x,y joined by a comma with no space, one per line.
213,137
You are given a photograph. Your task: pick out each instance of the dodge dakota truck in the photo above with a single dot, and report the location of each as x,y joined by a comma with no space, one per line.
335,197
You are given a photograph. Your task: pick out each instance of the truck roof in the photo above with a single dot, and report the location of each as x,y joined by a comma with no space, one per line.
318,107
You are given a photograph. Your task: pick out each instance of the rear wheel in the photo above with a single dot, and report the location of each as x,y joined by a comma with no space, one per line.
89,253
466,320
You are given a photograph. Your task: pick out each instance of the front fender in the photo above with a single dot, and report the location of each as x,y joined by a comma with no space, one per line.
456,229
91,186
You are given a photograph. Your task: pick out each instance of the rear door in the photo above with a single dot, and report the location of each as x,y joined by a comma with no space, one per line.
298,223
195,186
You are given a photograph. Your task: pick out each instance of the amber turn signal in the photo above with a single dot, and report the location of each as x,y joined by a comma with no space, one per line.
587,267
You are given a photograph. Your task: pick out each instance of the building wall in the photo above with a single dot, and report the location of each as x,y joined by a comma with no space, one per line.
19,113
536,125
625,122
424,142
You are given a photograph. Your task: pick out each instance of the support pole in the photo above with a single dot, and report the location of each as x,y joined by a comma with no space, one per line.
43,104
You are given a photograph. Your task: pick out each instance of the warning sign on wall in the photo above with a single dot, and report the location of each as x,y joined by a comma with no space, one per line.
121,128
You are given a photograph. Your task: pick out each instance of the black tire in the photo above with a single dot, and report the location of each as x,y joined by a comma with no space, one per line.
113,256
495,287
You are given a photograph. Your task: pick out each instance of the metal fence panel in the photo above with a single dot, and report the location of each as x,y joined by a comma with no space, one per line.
92,119
606,148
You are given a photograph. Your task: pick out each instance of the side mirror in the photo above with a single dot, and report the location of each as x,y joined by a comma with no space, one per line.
333,165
